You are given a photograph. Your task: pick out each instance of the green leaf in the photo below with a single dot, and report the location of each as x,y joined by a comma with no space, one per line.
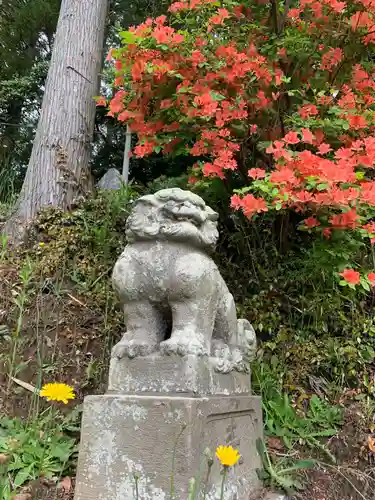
286,482
286,79
128,37
288,443
5,489
359,175
216,96
365,285
63,451
262,145
302,464
334,110
23,476
242,190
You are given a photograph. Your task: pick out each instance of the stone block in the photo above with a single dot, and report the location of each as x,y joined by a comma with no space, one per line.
127,434
111,180
191,375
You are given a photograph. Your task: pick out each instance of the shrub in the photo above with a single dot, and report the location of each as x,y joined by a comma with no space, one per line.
276,101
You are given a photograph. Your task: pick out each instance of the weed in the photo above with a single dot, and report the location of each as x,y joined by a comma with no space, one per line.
3,247
281,473
34,449
282,420
306,426
333,362
20,297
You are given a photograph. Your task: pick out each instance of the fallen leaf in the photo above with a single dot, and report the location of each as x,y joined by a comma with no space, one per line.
25,385
23,496
66,484
371,443
275,443
4,458
76,300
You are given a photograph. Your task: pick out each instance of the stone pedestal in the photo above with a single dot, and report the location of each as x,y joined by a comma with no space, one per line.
190,375
156,420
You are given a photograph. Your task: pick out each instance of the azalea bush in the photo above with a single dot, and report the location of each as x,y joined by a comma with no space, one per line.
277,97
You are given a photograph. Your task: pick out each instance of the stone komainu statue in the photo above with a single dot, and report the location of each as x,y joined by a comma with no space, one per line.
173,295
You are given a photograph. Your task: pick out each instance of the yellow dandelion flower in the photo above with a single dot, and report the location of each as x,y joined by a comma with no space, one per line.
227,455
57,392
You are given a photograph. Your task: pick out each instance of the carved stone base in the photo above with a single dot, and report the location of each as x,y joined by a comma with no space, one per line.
127,434
190,375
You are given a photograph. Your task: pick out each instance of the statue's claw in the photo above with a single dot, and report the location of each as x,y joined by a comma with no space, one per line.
132,348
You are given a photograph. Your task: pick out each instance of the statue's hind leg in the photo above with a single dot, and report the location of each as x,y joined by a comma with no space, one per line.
225,330
144,330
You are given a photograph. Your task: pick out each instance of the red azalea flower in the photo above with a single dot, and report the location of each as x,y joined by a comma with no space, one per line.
256,173
311,222
291,138
351,276
192,180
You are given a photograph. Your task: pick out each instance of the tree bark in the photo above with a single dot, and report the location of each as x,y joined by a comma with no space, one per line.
58,168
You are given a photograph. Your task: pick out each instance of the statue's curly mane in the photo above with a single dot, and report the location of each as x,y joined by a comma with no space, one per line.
173,215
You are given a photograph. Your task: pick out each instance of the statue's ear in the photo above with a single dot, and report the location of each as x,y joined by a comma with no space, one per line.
148,199
211,214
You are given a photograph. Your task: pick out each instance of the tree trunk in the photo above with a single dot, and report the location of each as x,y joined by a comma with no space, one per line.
58,167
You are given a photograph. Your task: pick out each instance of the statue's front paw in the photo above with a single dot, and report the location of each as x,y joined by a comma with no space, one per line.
222,365
132,348
219,349
183,346
240,361
222,357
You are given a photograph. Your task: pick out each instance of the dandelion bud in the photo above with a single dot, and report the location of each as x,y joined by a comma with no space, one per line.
136,475
209,456
191,488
